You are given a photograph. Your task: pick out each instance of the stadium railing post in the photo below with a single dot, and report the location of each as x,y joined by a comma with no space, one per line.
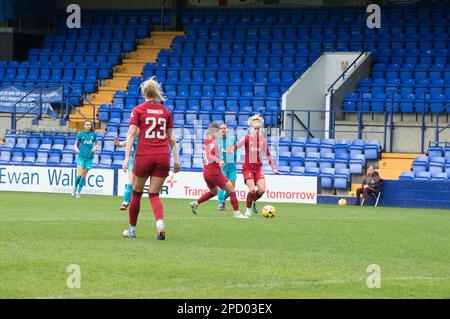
422,129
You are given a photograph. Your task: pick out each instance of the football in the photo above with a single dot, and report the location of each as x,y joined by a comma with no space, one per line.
342,202
268,211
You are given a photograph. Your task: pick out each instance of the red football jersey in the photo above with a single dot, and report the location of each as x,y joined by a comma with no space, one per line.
210,151
153,120
254,147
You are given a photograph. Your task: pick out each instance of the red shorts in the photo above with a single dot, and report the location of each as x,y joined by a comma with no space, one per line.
255,174
156,165
213,180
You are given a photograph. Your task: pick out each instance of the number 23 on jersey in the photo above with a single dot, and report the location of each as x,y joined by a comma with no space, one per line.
157,129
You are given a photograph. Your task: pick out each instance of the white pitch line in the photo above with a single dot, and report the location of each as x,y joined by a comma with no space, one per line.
240,286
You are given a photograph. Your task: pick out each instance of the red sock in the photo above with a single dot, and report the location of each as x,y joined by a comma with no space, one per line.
234,201
258,195
135,206
157,206
250,198
205,197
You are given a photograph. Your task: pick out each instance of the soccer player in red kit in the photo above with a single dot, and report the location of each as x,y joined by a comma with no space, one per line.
152,157
212,173
255,144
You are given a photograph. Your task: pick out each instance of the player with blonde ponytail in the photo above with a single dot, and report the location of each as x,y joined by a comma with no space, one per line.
255,144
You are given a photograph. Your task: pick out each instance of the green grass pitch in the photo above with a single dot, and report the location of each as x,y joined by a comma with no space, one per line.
306,251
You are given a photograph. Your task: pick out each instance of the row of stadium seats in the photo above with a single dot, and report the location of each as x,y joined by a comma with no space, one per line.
113,18
198,77
345,16
243,61
187,112
330,177
113,57
435,166
290,31
270,46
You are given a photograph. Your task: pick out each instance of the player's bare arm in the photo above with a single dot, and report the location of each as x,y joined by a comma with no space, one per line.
238,145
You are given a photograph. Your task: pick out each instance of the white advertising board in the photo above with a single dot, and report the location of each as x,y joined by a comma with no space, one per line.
54,180
279,188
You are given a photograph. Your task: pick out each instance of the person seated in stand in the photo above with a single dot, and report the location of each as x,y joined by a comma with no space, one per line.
371,184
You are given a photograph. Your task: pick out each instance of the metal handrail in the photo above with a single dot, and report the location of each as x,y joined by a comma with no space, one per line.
62,85
346,70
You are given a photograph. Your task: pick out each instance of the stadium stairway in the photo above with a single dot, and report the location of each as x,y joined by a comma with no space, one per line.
132,65
390,166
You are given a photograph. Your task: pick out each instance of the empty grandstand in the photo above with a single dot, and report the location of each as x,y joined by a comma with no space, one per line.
226,64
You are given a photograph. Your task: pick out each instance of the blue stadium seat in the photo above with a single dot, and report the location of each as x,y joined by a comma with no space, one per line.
105,160
439,177
420,164
326,160
5,155
312,159
435,151
406,176
357,163
311,171
342,146
371,149
312,145
326,177
357,147
67,159
54,158
422,176
436,165
341,161
341,178
42,157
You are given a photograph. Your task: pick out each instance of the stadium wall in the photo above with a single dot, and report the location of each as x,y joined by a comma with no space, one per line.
351,81
415,194
309,92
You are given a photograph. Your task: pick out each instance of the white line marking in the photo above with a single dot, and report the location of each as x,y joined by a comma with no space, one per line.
239,286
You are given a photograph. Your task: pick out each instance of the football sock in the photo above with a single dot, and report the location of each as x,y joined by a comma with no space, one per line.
205,197
157,206
221,196
77,181
225,197
135,206
250,198
81,185
127,194
234,201
160,224
258,195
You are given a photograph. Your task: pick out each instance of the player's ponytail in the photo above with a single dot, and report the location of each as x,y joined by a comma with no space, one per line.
151,89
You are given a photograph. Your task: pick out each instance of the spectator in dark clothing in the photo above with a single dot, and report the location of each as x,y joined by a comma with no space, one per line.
371,184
